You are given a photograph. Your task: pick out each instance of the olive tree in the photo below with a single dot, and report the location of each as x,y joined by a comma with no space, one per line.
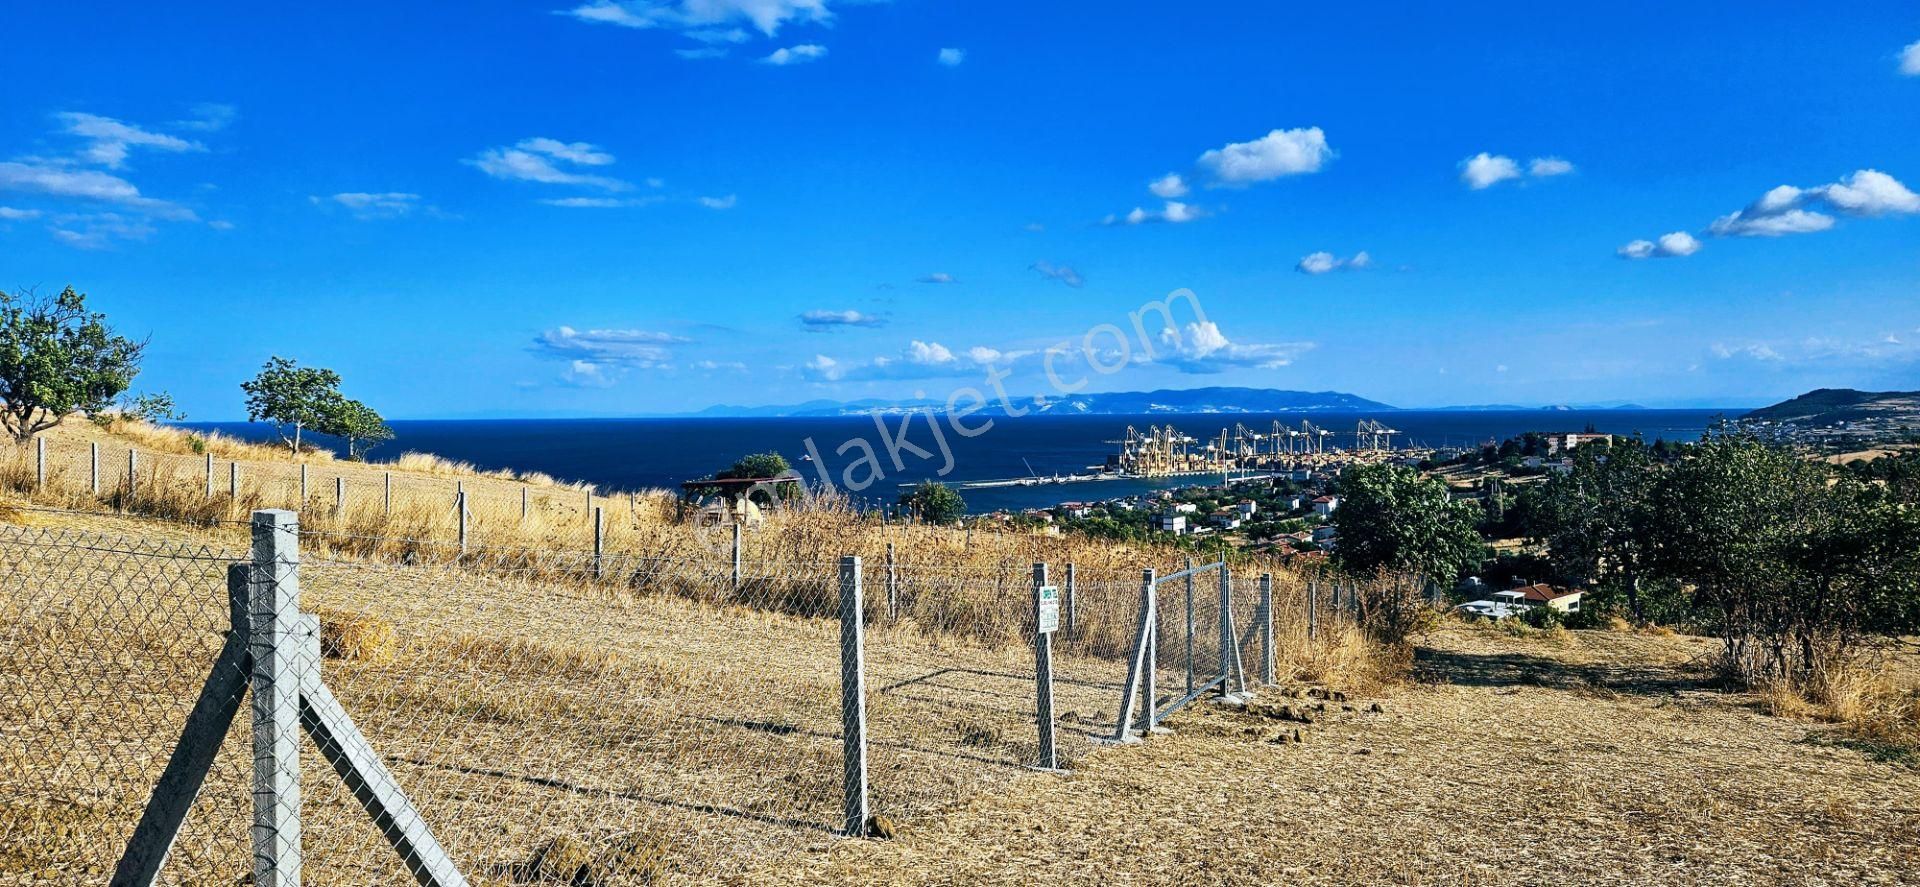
1391,518
58,358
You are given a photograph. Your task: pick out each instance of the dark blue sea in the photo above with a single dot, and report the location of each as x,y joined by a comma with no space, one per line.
641,453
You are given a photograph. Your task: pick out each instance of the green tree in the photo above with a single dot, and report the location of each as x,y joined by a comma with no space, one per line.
756,466
1391,518
58,358
935,503
355,422
292,397
152,407
1596,518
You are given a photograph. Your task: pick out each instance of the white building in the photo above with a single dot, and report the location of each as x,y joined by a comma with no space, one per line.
1169,522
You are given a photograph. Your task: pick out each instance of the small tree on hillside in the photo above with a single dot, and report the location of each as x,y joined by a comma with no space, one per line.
292,397
151,407
935,503
1391,518
756,466
357,423
1597,518
58,358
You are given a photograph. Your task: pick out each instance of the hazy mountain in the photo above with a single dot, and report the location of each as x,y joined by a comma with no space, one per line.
1170,401
1827,406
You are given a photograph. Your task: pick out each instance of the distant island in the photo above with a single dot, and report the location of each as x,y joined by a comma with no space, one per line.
1865,410
1184,401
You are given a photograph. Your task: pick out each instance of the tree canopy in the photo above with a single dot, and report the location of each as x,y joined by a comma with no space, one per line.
292,397
935,503
1392,518
356,423
755,466
58,358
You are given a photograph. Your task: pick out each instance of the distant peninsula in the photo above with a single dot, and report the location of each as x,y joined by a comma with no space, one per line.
1844,406
1184,401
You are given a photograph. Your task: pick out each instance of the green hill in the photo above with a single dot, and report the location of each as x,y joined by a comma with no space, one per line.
1828,406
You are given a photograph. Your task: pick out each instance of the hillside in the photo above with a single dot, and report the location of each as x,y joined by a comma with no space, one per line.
1829,406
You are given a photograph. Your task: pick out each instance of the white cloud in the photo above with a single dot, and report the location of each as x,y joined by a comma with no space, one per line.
548,161
1323,262
766,15
1174,212
1544,167
1485,170
703,52
638,349
918,360
109,140
209,117
719,35
1169,186
952,57
937,277
1061,273
1671,245
10,214
793,55
1278,153
1790,210
365,205
823,368
1910,59
55,180
598,202
711,365
829,319
1201,347
726,202
99,230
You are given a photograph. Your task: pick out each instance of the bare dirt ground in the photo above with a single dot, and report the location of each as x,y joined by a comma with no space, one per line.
1573,758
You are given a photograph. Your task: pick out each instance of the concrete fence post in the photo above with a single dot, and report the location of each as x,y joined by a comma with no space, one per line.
209,475
459,490
93,466
893,584
853,697
274,615
599,542
1266,628
1043,676
460,509
1071,618
40,462
737,530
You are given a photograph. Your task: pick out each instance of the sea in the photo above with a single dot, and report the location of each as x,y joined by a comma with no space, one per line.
641,453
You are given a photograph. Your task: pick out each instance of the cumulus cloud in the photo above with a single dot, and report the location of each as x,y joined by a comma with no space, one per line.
937,277
1671,245
366,205
726,202
64,181
548,161
1201,348
1061,273
1174,211
918,360
1791,210
793,55
821,320
1485,170
1323,262
109,141
1169,186
1910,59
700,15
1277,154
952,57
606,349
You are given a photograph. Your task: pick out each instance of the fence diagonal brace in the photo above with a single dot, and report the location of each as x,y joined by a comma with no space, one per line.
180,783
373,786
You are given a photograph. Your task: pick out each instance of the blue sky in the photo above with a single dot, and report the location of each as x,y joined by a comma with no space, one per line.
617,208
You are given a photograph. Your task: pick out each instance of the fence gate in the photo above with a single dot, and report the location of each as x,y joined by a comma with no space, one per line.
1187,646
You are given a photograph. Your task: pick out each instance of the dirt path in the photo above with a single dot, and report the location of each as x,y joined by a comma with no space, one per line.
1582,758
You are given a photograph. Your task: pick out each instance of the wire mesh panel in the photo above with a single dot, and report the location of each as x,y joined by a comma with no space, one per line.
105,643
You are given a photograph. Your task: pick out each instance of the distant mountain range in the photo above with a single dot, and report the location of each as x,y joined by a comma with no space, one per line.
1828,406
1171,401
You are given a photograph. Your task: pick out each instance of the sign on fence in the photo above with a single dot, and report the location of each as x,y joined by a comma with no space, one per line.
1049,609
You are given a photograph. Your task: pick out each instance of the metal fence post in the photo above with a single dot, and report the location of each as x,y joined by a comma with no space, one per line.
1266,628
93,466
133,473
274,620
853,697
233,480
209,475
599,542
1043,677
588,513
460,505
893,584
303,485
1071,617
736,554
40,462
1189,625
339,496
1226,631
524,496
1313,607
386,493
1149,714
